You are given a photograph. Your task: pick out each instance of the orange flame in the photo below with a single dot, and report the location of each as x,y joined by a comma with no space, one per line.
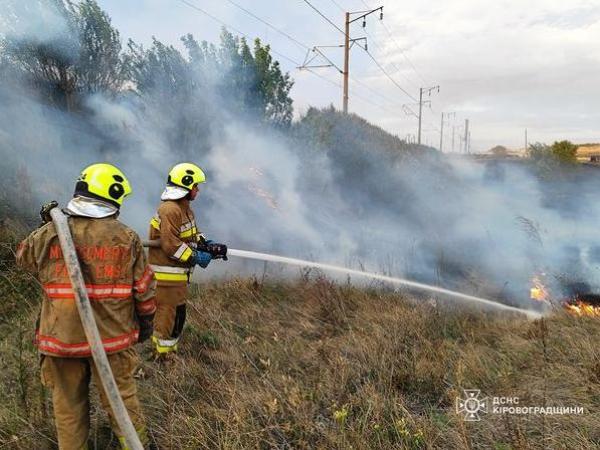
539,292
580,308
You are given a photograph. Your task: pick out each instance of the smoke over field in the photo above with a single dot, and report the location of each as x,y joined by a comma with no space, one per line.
328,187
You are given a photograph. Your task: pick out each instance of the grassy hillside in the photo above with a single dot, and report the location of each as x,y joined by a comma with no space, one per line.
311,364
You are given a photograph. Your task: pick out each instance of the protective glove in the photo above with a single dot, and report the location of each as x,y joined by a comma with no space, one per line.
217,250
201,258
45,211
146,327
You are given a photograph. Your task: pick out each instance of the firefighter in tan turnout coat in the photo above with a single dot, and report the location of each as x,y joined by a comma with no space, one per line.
121,288
174,224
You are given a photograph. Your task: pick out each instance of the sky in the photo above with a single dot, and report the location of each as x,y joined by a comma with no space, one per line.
506,65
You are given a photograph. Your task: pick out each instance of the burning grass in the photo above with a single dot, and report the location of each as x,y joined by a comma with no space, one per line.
578,304
312,364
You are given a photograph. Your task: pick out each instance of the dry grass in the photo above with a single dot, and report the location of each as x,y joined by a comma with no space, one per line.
311,364
588,150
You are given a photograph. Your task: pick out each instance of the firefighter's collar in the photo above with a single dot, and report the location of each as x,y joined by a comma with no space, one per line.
173,193
89,207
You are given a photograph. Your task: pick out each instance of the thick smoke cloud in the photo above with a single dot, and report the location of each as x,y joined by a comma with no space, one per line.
484,228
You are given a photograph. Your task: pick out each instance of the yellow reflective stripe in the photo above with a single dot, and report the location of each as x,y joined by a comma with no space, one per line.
180,250
164,345
162,276
188,233
187,226
186,255
155,223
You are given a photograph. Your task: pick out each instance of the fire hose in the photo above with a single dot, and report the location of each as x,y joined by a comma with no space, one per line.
91,331
375,276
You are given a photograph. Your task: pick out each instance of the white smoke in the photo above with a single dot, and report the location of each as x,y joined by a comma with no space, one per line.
459,223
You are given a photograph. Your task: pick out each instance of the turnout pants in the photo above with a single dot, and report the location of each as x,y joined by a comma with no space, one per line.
69,381
170,316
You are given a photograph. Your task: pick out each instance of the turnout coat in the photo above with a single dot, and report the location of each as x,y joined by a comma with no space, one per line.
119,283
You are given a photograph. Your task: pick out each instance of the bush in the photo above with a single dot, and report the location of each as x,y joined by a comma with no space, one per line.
564,152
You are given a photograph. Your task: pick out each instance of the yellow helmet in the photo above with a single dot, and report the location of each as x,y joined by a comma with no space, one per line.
104,182
186,175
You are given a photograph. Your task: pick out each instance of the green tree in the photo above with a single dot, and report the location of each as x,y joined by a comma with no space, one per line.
46,61
274,86
167,83
81,53
100,65
564,152
160,71
539,152
243,79
252,81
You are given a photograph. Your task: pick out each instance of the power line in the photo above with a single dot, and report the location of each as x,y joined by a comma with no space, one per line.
325,17
354,93
402,52
225,24
367,100
370,55
391,63
283,33
398,47
373,91
296,63
389,76
376,45
338,5
335,83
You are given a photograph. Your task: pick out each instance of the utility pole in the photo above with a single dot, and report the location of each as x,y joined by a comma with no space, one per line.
420,111
346,61
448,116
441,133
453,131
469,144
526,143
466,135
348,43
421,91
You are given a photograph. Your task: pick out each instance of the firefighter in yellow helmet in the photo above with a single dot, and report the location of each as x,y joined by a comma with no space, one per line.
121,288
182,247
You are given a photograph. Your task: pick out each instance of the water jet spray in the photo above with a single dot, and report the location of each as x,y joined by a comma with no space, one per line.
246,254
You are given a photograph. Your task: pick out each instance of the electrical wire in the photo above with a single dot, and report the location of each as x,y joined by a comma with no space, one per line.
398,47
374,92
389,76
371,56
225,24
325,17
402,52
354,94
336,84
283,33
296,63
397,70
338,6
